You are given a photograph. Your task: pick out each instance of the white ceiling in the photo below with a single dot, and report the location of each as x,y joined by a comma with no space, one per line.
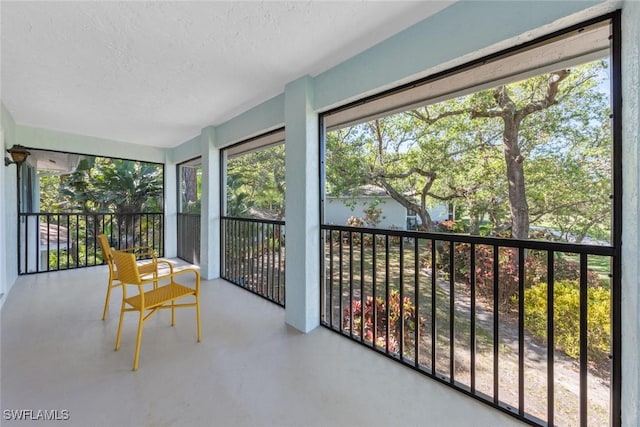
156,73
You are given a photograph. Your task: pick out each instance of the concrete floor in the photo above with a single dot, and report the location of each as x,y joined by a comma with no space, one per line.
249,370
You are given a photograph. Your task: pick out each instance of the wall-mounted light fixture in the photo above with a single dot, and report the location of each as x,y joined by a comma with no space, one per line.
18,155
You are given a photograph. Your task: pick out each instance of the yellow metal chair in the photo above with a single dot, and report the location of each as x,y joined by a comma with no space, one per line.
147,303
146,267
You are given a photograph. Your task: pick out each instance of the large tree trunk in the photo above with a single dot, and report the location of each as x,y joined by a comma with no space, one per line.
515,175
512,117
189,194
474,226
425,218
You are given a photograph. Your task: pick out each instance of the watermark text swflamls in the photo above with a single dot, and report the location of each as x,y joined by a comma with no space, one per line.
36,415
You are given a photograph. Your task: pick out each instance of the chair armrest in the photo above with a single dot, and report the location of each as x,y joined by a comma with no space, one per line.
164,261
195,272
174,274
140,250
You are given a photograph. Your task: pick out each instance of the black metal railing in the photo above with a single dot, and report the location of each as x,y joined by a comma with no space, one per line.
521,325
189,237
254,256
60,241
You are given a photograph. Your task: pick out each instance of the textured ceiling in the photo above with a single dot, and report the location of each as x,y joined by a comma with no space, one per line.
156,73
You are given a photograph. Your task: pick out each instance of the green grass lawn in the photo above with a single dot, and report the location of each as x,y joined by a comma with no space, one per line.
599,264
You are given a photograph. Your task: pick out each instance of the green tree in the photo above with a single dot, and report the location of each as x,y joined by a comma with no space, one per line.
102,185
127,186
77,189
50,200
256,180
530,150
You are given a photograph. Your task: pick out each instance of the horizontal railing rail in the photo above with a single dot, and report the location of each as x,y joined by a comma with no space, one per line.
253,256
59,241
189,237
523,325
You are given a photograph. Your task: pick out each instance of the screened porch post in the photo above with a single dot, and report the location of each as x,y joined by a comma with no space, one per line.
630,295
210,206
170,209
302,216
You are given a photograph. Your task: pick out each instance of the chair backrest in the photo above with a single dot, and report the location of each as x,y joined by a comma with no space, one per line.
127,267
105,248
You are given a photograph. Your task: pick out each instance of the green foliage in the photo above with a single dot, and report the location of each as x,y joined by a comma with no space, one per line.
346,160
566,300
535,265
237,199
256,181
484,272
564,268
78,256
103,185
50,200
108,185
76,189
129,186
372,216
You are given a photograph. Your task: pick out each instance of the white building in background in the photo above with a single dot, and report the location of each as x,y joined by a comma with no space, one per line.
338,209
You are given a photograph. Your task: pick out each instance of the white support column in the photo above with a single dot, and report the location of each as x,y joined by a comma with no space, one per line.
170,209
210,210
302,207
630,306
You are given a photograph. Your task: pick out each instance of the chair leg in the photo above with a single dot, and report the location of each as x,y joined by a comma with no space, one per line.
106,301
120,327
173,313
136,358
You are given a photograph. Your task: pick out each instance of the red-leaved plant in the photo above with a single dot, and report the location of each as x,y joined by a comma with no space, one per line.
393,339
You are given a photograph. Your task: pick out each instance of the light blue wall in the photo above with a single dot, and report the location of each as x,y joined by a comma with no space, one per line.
187,151
267,116
8,127
337,210
46,139
8,253
464,30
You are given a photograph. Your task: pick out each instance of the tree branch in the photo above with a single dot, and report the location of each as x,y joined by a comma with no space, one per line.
431,120
414,170
397,196
550,95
